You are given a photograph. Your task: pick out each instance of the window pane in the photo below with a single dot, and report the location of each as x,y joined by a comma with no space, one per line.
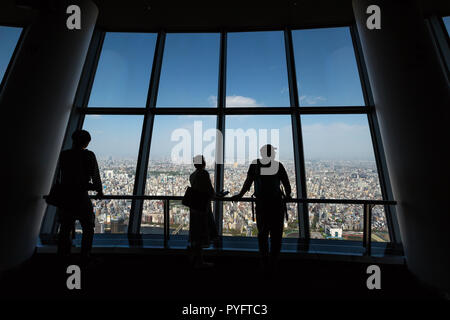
153,217
326,68
447,24
244,136
340,164
256,70
190,70
175,141
380,231
179,219
8,39
123,72
115,141
336,221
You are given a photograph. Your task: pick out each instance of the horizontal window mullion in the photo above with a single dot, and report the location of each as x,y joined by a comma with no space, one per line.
113,111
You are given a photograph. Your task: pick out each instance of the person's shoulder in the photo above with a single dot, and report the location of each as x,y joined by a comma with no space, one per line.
203,172
89,153
253,166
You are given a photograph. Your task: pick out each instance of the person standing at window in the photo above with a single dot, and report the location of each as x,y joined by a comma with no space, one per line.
78,174
268,175
202,228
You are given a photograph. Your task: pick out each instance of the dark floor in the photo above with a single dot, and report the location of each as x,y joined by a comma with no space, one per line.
167,277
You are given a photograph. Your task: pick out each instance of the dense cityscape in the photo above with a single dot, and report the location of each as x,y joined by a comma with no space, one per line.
325,179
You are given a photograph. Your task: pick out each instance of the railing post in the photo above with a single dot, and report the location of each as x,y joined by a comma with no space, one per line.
166,223
367,235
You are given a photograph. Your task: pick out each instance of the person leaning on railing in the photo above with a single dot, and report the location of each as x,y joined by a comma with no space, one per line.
267,175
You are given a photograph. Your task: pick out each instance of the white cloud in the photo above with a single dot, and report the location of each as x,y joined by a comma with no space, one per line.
312,99
236,101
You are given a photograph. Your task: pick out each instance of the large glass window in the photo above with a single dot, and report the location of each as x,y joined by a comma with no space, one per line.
123,72
190,71
175,141
244,136
8,39
326,69
340,164
115,141
256,70
338,152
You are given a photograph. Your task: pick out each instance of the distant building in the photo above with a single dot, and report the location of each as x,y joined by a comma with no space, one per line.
333,231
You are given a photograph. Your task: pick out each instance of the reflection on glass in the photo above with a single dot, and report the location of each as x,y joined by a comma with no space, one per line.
123,72
244,136
8,39
189,74
256,70
115,142
175,141
326,68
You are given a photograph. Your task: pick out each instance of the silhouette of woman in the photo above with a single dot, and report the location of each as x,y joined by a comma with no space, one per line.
202,228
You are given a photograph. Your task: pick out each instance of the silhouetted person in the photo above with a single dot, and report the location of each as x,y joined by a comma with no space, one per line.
78,173
202,228
267,175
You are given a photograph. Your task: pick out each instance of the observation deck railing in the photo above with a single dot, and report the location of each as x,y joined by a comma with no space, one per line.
367,210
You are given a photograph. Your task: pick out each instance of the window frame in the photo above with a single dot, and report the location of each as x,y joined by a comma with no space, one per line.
80,110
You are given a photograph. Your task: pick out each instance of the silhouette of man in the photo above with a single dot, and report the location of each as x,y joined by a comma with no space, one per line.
267,175
78,173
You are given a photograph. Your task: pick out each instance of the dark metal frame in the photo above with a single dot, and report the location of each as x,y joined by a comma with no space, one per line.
441,42
294,110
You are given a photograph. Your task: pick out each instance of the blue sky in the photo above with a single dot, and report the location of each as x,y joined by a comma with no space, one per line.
256,76
447,23
8,40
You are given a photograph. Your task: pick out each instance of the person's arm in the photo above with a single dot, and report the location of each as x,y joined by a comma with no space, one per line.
285,180
247,183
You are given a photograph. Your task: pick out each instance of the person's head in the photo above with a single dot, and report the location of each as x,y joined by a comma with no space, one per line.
199,162
267,152
81,139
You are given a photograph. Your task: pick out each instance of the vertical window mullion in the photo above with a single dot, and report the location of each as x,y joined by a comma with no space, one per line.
220,149
302,208
146,137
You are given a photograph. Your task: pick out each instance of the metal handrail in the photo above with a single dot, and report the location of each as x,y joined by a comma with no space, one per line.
248,199
368,204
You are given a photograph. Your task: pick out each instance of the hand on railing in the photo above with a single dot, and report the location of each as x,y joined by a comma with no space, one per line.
99,195
221,195
236,197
